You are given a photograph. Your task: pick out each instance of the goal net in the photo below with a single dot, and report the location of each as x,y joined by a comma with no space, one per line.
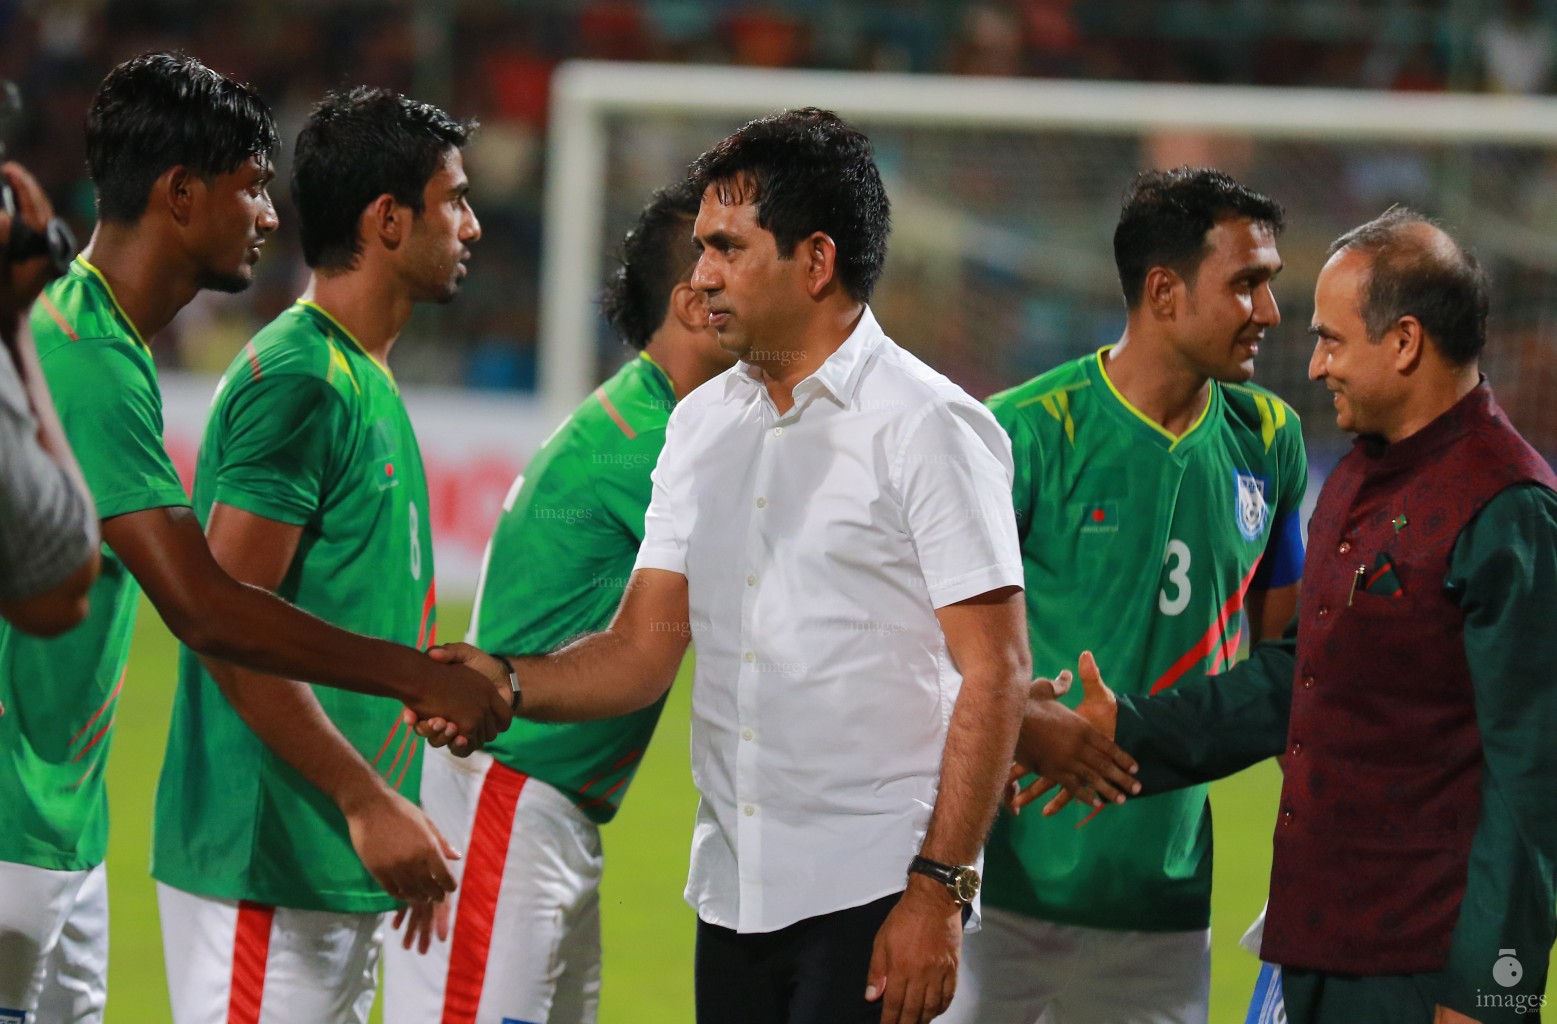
1005,194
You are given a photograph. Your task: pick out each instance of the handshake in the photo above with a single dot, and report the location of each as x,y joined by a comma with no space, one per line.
475,714
1071,750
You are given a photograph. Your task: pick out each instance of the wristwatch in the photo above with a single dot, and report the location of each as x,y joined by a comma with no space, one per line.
961,880
515,698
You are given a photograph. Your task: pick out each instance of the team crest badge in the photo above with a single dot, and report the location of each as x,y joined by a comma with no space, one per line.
1249,509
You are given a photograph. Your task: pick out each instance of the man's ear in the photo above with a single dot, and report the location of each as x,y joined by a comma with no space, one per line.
387,221
1164,292
175,189
689,307
1408,343
819,256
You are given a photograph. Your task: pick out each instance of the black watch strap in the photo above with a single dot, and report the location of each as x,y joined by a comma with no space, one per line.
515,698
961,880
943,873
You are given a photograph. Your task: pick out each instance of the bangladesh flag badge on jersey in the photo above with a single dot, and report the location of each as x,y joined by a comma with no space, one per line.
1249,507
382,450
1100,517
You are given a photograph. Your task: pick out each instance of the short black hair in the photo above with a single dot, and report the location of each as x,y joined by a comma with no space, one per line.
806,170
1166,215
357,145
162,110
1418,269
655,256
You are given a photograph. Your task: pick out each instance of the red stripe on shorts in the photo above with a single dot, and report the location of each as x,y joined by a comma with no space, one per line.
250,951
484,860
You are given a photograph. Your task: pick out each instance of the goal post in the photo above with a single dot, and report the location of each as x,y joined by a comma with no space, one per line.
1004,194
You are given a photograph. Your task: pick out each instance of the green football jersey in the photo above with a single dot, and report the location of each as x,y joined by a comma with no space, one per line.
305,429
60,694
1139,547
556,567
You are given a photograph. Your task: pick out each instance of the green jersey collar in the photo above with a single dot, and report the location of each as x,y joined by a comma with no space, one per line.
87,272
1098,367
656,379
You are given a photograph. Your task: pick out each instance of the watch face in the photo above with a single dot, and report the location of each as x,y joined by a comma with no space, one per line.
965,885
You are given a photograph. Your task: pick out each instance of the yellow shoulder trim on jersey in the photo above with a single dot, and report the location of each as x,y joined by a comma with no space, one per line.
338,362
355,343
1273,413
1057,405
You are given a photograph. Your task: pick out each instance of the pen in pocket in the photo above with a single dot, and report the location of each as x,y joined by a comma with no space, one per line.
1357,577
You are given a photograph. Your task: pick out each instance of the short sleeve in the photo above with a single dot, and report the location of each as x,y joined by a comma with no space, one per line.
1294,469
279,439
954,475
665,523
112,414
46,529
1282,563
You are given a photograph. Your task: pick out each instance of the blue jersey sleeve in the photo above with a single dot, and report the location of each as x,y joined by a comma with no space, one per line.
1282,564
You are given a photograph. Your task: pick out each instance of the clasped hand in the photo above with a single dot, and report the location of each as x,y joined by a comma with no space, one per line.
1074,750
439,731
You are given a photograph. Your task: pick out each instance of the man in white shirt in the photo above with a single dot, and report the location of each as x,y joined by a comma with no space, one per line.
831,525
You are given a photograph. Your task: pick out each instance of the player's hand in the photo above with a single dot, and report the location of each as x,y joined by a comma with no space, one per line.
471,708
400,846
1073,749
21,282
422,921
913,964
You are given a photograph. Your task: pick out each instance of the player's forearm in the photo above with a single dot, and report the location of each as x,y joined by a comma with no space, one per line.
977,758
257,630
287,717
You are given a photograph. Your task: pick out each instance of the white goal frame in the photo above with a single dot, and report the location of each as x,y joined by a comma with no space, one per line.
585,93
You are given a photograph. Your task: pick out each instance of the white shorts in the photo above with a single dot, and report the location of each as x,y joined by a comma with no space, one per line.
232,962
525,943
1020,970
53,945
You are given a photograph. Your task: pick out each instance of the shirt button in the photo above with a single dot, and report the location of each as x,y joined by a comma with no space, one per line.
778,431
762,502
751,581
747,734
1323,611
750,810
750,657
1346,546
1297,748
1286,817
1308,682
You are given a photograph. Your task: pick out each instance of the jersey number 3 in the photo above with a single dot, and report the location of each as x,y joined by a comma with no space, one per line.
1178,579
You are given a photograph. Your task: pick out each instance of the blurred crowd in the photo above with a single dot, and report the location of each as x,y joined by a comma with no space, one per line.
493,59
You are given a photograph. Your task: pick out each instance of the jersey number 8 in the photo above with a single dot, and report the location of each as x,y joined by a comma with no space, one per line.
416,541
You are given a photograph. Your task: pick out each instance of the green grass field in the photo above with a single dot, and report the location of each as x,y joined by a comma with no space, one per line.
648,929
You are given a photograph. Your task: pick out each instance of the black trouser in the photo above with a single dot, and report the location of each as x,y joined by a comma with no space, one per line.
813,972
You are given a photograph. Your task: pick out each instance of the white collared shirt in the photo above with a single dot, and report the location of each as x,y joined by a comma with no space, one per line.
817,545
